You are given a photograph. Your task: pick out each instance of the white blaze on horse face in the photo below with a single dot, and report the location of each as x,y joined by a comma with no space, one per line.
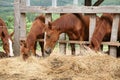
45,39
10,48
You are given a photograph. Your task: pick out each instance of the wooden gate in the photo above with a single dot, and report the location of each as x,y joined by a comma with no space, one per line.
21,7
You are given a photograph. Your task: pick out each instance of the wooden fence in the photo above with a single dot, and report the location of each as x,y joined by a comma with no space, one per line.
21,7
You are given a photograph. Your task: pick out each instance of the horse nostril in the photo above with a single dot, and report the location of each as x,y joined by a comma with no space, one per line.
48,50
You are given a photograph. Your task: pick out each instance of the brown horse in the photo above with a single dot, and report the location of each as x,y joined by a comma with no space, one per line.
102,31
6,39
34,34
76,26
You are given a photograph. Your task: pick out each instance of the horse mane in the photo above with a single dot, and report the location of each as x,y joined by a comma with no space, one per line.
3,28
63,21
85,26
107,18
2,23
79,16
41,18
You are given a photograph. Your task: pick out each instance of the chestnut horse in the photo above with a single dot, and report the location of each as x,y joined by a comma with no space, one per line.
6,39
102,31
35,33
76,26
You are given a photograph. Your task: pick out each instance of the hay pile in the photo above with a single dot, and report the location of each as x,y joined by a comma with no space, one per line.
3,54
61,67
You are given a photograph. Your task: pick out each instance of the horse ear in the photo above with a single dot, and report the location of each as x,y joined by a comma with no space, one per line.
49,25
22,43
12,34
3,34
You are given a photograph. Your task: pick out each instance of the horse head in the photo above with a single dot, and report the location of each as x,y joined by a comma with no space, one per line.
51,37
24,50
7,43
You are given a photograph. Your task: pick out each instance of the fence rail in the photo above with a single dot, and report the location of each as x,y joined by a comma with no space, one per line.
70,9
85,42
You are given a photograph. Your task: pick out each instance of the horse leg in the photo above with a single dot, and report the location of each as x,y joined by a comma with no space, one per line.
72,48
101,47
34,49
42,47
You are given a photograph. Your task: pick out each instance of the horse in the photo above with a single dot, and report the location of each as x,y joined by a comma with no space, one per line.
75,25
29,45
102,31
6,39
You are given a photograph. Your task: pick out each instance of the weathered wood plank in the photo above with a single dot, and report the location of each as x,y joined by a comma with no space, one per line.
27,2
16,28
62,46
22,26
22,20
113,50
70,9
86,42
92,26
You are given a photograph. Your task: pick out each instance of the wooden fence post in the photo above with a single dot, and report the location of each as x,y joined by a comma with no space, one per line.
92,26
75,2
54,3
16,27
62,46
27,2
23,21
113,50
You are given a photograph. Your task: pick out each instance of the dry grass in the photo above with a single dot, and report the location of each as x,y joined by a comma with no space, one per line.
91,66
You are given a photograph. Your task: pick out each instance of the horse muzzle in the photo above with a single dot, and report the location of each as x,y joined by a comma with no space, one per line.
11,54
48,50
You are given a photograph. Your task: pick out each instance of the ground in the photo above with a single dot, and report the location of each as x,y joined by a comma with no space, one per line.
91,66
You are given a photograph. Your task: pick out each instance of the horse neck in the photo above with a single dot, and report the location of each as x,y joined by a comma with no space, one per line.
5,39
62,26
107,19
85,20
2,23
6,35
101,31
30,40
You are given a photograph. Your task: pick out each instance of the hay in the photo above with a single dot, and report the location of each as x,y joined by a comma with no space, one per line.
60,67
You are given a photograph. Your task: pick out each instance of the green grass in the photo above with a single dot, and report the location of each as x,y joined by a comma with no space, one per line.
55,16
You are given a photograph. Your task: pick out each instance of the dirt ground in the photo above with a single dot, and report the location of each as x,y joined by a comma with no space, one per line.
91,66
